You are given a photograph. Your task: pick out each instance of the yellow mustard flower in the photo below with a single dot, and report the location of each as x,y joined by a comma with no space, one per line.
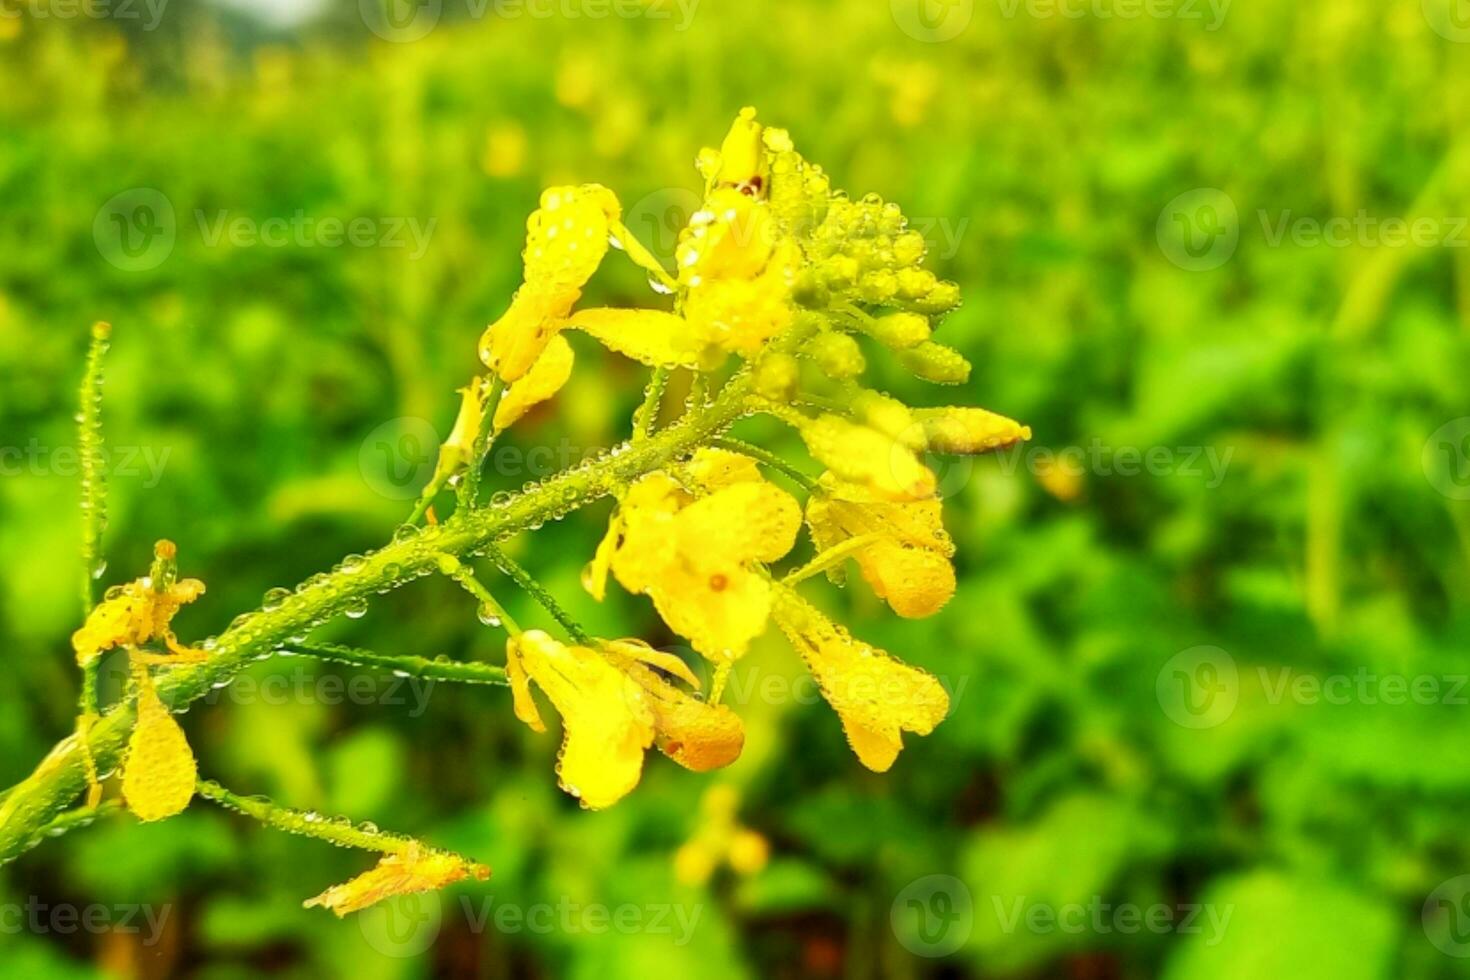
159,772
546,377
410,871
876,696
614,702
566,239
133,614
901,548
607,722
695,557
720,839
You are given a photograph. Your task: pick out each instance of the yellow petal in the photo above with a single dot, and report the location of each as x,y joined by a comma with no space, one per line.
648,511
538,310
968,431
545,379
714,468
651,337
875,696
159,774
907,560
862,455
747,521
126,617
606,721
720,613
413,870
594,573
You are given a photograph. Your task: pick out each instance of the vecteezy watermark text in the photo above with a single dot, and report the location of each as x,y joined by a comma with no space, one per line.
37,459
1211,12
150,12
40,918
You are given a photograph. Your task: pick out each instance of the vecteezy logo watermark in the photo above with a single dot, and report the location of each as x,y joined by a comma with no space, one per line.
1212,12
150,12
1199,230
1198,687
933,915
1446,459
410,20
400,20
404,925
932,21
119,461
1098,917
40,918
397,457
1446,917
658,218
135,230
1194,462
1450,19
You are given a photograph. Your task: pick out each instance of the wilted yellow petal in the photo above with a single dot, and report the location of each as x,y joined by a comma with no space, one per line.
697,735
967,431
545,379
606,721
456,451
159,774
131,615
408,872
651,337
876,697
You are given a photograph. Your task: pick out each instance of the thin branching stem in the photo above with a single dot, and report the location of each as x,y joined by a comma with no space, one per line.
433,669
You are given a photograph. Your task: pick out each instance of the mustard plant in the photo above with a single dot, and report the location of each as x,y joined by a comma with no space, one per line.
776,278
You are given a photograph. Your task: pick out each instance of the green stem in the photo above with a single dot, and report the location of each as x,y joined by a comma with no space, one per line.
60,776
647,413
435,669
538,592
336,830
468,494
94,465
465,576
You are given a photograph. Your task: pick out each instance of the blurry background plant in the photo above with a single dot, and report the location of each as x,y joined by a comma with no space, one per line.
1106,189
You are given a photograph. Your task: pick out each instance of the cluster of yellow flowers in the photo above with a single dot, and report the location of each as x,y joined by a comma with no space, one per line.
781,272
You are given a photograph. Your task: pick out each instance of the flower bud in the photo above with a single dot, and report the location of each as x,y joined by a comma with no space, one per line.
937,363
968,431
899,331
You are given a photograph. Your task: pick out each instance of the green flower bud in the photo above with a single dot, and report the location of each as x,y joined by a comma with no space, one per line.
837,354
899,331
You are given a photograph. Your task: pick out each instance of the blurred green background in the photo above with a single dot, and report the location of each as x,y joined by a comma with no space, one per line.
1209,663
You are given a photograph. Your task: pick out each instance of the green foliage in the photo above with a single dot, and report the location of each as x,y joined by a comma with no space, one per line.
1058,779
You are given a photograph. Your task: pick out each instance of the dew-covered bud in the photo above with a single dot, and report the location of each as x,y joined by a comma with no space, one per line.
967,431
837,354
891,417
878,287
839,272
944,297
776,377
899,331
909,248
937,363
915,284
